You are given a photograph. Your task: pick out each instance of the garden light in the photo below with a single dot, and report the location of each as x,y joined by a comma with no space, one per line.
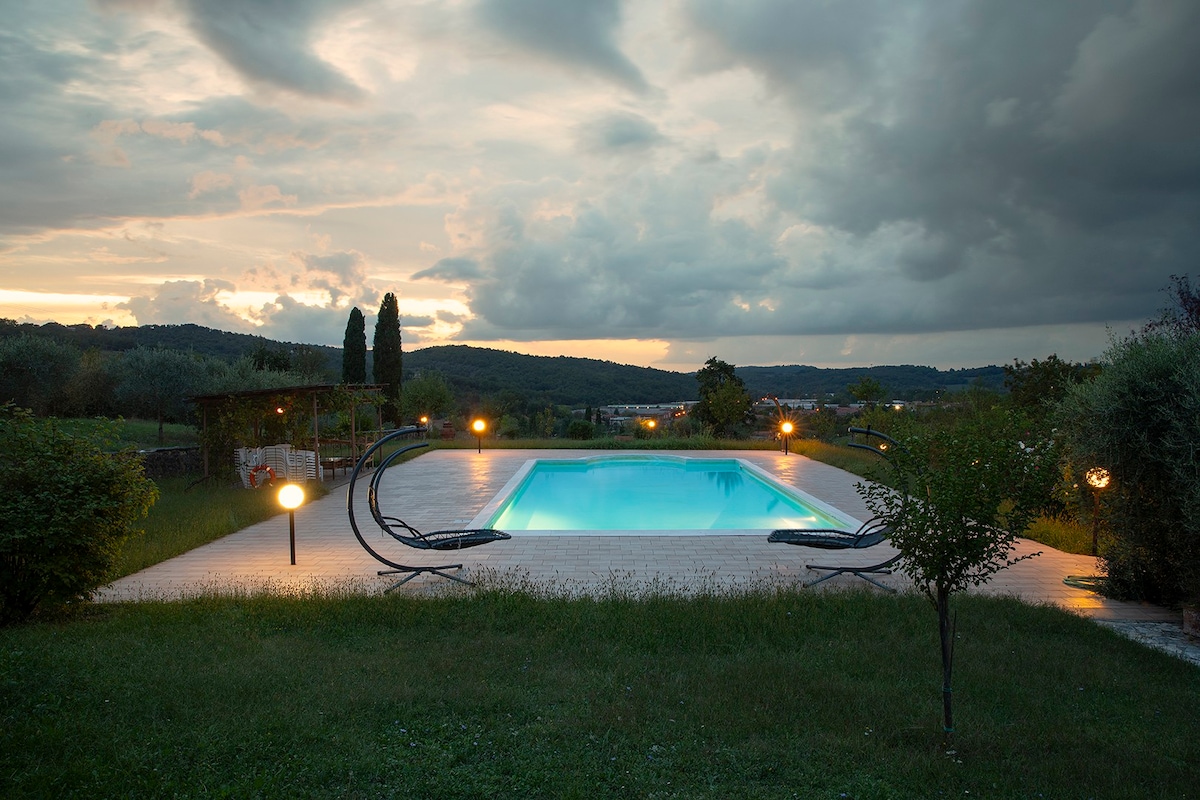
786,429
479,426
291,497
1098,478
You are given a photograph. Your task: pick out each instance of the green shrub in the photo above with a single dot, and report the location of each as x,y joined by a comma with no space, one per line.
1140,420
580,429
65,509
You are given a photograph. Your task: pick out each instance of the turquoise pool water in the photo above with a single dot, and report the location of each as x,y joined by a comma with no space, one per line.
653,493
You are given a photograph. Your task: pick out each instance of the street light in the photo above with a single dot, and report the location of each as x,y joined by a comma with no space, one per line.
291,497
1098,478
786,429
479,426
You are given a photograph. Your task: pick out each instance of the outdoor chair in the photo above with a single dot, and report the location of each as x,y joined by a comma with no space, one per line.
870,534
401,531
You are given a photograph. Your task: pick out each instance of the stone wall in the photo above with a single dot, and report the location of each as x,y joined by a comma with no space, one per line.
172,462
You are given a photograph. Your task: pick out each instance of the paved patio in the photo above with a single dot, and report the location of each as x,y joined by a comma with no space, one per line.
447,488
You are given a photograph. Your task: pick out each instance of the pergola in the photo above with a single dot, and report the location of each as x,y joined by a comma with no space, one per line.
265,400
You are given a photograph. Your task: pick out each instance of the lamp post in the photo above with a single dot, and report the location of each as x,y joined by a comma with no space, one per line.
1098,478
425,425
291,497
479,426
786,429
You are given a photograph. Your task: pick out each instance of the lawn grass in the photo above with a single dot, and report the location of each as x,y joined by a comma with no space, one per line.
188,514
510,694
140,434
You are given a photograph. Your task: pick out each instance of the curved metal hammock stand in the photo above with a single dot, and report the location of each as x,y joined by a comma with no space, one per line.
870,534
400,530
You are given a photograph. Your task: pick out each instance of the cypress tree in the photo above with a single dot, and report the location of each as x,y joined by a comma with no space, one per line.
388,359
354,349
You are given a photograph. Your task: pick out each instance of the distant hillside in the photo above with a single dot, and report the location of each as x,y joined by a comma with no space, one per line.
583,381
900,382
196,338
562,380
476,372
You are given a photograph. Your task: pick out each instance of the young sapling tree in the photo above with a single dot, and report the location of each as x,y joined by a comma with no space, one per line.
970,490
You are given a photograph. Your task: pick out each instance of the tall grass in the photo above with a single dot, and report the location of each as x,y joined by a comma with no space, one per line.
187,516
507,694
1061,534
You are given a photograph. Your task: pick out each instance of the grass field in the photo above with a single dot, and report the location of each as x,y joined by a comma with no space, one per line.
508,694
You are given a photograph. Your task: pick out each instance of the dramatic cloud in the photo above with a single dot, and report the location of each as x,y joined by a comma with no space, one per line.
271,42
191,301
774,180
340,274
580,34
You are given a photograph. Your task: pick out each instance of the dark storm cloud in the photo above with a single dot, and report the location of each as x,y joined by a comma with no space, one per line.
581,34
619,133
39,146
1022,148
641,258
270,42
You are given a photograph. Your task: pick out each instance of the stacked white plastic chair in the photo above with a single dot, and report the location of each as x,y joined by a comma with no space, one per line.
258,465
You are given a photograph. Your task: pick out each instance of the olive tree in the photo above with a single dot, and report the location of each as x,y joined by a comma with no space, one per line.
65,510
723,398
1140,420
35,372
967,492
427,396
155,383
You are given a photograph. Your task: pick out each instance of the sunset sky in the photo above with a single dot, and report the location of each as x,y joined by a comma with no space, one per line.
941,182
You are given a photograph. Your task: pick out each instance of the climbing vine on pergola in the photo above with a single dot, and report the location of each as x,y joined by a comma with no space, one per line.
289,415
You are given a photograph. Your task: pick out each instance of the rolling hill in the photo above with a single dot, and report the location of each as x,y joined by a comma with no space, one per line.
562,380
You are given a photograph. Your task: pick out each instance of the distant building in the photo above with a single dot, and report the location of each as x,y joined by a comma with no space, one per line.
791,404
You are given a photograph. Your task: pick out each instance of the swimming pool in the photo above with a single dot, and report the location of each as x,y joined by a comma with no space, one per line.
652,495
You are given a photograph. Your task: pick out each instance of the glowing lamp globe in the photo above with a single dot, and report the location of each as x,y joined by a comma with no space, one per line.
1098,477
291,496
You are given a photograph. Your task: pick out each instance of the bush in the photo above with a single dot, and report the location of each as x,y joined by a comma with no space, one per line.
580,429
1140,420
66,508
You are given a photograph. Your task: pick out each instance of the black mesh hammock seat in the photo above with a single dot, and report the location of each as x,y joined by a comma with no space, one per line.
871,533
400,530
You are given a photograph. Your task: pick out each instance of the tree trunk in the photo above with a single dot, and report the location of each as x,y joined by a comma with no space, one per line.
946,632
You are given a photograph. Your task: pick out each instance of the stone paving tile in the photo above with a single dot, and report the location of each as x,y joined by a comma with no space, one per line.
446,489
